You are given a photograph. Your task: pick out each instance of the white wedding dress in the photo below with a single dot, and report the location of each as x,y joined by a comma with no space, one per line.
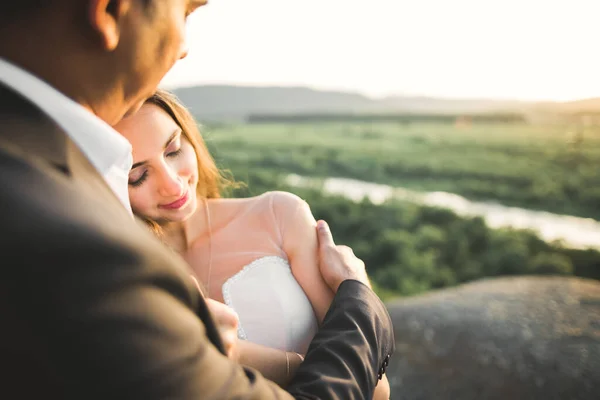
242,259
272,307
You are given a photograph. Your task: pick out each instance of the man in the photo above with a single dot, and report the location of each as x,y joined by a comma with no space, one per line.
91,305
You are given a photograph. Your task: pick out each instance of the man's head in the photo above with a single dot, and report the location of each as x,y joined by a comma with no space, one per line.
108,55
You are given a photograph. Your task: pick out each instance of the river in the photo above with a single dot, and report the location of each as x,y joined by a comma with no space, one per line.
572,231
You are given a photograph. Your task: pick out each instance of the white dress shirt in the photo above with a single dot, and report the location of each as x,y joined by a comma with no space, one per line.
105,148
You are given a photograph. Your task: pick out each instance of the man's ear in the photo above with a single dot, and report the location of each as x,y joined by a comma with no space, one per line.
105,18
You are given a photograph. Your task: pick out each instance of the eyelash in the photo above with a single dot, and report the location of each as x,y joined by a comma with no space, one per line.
144,176
140,180
174,153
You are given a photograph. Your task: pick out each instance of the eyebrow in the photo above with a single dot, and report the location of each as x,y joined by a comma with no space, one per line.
173,136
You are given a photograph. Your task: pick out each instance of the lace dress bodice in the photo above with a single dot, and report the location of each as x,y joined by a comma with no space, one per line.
250,272
272,307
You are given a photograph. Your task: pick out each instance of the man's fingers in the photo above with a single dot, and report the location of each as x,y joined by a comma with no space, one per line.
346,249
324,235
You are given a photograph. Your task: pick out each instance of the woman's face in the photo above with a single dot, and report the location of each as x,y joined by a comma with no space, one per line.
163,180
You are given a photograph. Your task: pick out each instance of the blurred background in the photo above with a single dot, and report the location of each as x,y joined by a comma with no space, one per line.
450,144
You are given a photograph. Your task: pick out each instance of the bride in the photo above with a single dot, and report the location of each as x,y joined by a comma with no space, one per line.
258,255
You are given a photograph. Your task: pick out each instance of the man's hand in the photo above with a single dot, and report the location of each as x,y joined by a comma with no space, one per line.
338,263
227,321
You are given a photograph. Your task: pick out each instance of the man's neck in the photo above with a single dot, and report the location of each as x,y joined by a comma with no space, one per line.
68,70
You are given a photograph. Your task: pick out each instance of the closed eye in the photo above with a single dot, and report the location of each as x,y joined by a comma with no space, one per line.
173,147
140,180
136,179
174,153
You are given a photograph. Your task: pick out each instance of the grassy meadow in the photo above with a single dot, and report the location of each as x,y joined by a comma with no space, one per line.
409,248
549,168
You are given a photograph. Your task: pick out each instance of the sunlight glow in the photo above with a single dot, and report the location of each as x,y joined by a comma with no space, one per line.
518,49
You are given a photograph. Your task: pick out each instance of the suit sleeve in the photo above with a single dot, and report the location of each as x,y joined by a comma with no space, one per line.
351,350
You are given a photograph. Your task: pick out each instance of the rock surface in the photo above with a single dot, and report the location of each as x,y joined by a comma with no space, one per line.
506,338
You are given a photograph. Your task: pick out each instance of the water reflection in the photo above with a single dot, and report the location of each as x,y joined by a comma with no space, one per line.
572,231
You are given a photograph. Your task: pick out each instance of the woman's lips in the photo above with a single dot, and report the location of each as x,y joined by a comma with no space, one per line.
177,203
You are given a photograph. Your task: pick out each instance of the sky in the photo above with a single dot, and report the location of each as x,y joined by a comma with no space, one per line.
510,49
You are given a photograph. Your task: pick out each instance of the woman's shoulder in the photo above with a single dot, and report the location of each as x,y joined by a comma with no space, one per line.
292,212
284,198
284,204
279,202
275,197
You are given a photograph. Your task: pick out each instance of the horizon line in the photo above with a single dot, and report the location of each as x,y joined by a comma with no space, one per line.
373,97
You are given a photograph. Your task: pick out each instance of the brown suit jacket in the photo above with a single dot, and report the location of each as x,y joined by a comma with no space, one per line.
93,306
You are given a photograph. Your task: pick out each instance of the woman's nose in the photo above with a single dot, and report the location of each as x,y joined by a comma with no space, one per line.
170,183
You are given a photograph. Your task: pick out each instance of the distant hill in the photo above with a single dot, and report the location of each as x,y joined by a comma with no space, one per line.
237,102
452,106
591,106
224,102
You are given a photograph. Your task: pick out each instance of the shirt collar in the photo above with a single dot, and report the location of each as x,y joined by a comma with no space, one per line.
101,144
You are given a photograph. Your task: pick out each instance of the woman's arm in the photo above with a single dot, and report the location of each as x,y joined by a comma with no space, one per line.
298,230
299,241
276,365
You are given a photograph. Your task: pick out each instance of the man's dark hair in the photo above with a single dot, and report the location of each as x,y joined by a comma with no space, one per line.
11,9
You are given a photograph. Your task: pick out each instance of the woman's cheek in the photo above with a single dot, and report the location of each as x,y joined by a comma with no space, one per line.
188,166
139,202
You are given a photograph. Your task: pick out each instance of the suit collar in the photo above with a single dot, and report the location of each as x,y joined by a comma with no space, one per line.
28,133
103,146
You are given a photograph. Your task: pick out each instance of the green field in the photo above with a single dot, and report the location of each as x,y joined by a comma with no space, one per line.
537,167
409,248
